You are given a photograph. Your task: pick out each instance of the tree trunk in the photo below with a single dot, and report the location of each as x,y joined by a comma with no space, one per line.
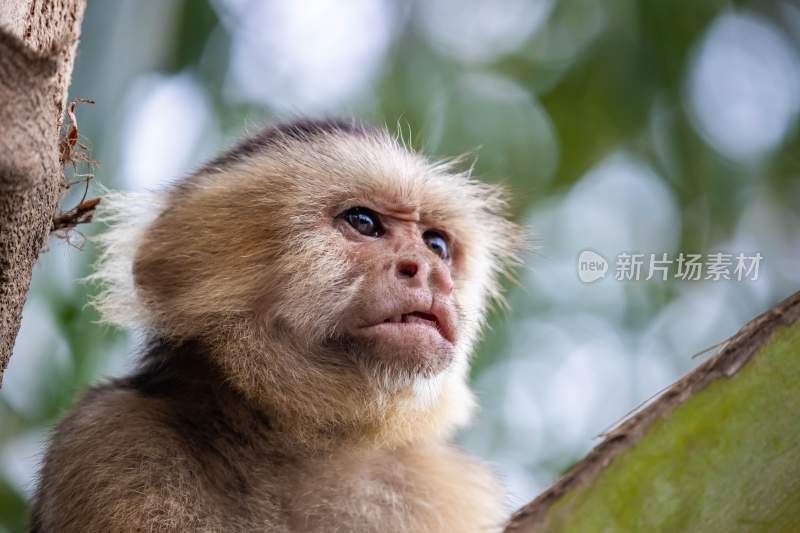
718,451
38,40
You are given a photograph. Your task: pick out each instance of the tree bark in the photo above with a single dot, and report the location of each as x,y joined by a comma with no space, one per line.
716,452
38,40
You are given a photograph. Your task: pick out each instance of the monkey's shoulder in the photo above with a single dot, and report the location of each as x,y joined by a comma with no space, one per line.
114,423
121,460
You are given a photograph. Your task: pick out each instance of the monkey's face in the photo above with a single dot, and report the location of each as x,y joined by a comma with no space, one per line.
404,314
333,254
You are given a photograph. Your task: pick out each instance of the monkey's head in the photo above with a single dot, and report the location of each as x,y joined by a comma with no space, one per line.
338,279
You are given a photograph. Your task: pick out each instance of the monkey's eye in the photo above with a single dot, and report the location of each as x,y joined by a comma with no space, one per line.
438,243
365,221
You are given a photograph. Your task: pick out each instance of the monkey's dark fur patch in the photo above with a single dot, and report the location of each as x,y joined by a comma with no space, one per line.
199,400
165,365
300,130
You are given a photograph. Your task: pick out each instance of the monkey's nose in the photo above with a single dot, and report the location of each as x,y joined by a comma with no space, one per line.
407,269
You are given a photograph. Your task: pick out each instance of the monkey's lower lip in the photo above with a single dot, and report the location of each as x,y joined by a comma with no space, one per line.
415,319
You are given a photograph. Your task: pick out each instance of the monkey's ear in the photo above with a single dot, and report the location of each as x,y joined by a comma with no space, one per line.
126,217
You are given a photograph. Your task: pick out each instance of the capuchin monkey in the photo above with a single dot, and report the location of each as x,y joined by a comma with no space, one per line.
309,302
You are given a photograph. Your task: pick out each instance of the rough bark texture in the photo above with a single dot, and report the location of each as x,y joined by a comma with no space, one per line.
38,40
716,451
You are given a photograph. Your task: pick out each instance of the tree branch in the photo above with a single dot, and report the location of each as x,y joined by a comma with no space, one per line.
717,450
38,40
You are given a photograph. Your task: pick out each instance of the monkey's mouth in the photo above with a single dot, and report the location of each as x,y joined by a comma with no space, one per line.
416,317
420,318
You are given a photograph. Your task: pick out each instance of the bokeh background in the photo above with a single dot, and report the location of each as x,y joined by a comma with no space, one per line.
658,127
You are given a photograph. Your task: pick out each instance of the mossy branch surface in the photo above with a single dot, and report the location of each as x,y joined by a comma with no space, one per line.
718,451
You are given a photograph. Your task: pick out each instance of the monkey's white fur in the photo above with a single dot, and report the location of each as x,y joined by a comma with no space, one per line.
126,216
